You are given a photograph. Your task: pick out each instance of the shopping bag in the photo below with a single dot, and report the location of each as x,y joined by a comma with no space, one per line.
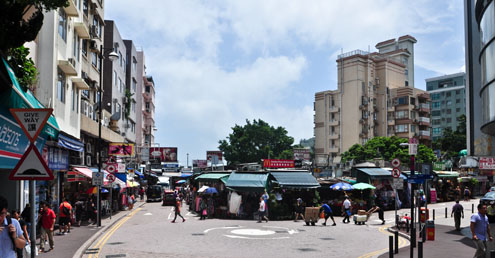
27,251
322,215
204,212
348,213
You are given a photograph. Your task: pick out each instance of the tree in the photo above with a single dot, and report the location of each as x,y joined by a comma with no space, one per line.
387,148
255,141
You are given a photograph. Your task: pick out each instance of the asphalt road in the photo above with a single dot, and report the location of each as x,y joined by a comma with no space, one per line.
148,232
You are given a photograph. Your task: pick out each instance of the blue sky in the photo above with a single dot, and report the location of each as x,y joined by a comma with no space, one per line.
217,63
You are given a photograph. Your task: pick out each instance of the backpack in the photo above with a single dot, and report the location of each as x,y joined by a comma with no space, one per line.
65,210
9,222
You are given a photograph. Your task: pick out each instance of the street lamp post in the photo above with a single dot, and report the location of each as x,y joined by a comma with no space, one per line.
187,164
112,56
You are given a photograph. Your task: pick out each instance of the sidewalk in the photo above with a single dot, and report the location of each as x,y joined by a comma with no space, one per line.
70,244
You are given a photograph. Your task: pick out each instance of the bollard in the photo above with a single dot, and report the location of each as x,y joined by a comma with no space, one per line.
413,233
423,233
492,253
445,212
407,225
472,207
391,246
396,233
420,250
433,214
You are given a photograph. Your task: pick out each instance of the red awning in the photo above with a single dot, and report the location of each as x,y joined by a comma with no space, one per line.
83,171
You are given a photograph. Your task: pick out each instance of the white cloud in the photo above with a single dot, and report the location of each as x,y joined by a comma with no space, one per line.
217,63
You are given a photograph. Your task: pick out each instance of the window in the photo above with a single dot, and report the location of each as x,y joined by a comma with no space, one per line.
75,47
62,24
133,127
402,100
449,102
61,86
457,92
435,96
85,7
435,104
120,58
412,101
120,85
447,94
413,114
458,110
437,130
401,128
413,128
134,64
114,78
403,114
458,101
94,59
85,93
134,83
73,98
77,101
449,111
84,48
436,121
96,24
449,120
436,113
133,106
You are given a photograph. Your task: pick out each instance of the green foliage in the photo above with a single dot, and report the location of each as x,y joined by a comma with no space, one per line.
386,148
127,108
23,67
255,141
15,27
452,142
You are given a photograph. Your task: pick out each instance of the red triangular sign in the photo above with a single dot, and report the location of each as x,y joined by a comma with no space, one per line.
31,120
31,166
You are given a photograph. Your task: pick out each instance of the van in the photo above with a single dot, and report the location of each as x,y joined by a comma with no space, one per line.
168,197
154,193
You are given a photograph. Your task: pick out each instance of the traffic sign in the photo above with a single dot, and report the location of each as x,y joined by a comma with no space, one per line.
31,166
111,177
31,120
421,176
416,180
396,163
121,167
398,183
97,178
396,173
111,168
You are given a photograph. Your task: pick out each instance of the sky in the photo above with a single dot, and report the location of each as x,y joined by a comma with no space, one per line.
218,63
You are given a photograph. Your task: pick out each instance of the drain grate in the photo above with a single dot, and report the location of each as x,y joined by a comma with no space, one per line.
307,249
115,255
92,250
327,238
198,234
115,243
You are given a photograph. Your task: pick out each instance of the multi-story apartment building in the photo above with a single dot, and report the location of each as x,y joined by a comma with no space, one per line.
448,101
130,101
363,105
145,106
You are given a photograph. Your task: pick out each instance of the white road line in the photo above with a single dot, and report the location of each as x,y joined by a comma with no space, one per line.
210,229
147,214
242,237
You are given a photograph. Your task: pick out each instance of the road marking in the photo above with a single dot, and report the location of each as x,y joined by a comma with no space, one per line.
290,231
382,229
252,232
148,214
258,238
210,229
107,235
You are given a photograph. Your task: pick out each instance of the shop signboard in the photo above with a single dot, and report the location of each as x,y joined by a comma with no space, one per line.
165,154
145,154
57,159
439,166
121,149
97,178
302,154
278,163
398,183
211,154
486,163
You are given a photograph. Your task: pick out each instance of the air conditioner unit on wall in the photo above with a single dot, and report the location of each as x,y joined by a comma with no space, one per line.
88,160
88,147
72,61
92,43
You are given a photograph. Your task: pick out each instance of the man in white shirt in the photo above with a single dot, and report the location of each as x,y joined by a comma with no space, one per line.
262,210
10,233
347,210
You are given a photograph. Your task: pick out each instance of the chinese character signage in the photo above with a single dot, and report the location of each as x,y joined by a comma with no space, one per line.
121,149
487,163
278,163
57,159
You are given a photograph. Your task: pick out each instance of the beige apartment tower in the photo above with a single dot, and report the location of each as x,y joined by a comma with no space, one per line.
363,105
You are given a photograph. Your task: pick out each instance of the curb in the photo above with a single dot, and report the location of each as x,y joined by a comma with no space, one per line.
92,239
404,235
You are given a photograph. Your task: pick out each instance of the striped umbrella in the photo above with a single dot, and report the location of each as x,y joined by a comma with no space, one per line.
341,186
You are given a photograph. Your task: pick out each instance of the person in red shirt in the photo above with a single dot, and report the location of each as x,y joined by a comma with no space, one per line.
65,214
47,222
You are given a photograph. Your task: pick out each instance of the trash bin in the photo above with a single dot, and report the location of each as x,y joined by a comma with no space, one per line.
424,214
430,230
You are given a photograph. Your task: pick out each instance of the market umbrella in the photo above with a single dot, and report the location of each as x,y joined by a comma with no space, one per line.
363,186
203,188
180,182
94,190
341,186
211,190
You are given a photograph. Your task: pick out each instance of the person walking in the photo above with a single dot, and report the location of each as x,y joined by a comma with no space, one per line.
328,213
480,228
11,234
261,210
48,218
177,210
79,211
347,210
15,214
457,212
65,214
91,211
299,209
490,212
467,193
203,209
380,208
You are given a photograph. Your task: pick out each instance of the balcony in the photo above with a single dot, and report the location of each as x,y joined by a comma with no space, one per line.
71,9
80,83
424,121
333,122
424,107
81,30
334,136
363,134
390,108
391,121
147,96
363,120
333,149
147,112
333,109
424,133
68,66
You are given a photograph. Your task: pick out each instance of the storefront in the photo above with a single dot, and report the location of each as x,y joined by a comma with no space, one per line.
217,203
382,180
246,189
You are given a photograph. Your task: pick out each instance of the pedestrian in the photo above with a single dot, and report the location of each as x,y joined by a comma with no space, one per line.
479,229
347,210
457,212
141,193
65,215
380,208
203,209
79,211
299,209
48,218
328,213
26,216
490,212
15,214
467,193
261,210
91,211
457,193
11,234
177,210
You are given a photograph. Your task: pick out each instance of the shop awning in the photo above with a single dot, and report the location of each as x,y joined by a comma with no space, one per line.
295,179
212,176
375,172
247,182
17,98
442,174
132,183
137,172
83,171
71,144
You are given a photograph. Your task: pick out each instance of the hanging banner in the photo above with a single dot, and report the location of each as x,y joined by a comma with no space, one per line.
121,149
165,154
486,163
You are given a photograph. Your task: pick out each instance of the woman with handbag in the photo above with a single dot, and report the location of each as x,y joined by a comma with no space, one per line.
203,209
